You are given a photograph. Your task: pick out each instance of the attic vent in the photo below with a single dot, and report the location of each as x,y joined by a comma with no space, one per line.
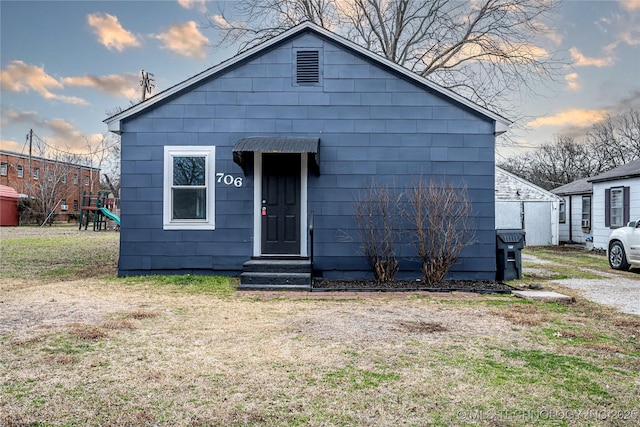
307,66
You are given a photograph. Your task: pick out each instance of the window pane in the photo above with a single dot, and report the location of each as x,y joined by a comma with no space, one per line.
586,208
616,207
188,170
189,204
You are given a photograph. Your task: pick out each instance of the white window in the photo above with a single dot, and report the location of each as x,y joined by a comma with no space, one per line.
562,213
36,173
189,197
3,169
617,207
75,179
86,181
586,211
64,178
20,171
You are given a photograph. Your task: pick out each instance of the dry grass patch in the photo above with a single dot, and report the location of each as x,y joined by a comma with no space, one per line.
577,334
609,348
141,314
86,332
523,314
59,359
421,327
117,324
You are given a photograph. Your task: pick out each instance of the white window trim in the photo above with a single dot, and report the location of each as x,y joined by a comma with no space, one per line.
209,152
5,169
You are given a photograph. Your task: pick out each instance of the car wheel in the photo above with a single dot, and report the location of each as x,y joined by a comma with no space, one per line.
617,257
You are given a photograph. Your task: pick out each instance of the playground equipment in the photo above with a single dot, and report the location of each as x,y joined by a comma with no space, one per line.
99,205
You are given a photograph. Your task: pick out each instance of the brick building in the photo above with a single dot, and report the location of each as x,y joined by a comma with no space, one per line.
56,184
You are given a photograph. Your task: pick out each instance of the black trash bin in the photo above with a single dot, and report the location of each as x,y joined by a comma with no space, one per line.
509,244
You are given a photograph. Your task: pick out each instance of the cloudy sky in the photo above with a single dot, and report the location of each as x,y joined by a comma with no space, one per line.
65,64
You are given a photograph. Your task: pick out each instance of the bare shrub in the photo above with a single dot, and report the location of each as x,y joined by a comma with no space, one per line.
440,216
377,212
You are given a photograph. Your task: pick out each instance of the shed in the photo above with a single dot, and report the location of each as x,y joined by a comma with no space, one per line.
523,205
229,171
9,207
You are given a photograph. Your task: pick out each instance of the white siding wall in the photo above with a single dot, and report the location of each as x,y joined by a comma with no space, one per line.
508,215
600,232
563,228
577,234
540,220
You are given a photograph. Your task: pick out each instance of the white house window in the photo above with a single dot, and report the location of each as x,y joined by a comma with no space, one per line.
562,213
36,173
64,178
86,181
20,171
189,197
617,207
75,179
3,169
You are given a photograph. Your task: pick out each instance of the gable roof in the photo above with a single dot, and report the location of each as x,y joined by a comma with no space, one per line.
113,122
579,186
629,170
511,187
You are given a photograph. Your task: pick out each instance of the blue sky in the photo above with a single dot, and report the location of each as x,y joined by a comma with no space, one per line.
64,64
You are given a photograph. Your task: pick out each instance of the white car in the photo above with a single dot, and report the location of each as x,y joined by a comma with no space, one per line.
623,250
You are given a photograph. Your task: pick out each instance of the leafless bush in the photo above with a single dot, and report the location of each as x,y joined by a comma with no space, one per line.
377,212
440,216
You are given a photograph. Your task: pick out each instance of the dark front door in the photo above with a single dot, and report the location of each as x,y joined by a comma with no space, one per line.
280,204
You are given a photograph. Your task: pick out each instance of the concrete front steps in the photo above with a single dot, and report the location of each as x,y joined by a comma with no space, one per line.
276,274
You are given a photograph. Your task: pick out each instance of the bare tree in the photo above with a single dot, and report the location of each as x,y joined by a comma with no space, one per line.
608,144
440,215
376,214
616,140
104,153
484,50
50,182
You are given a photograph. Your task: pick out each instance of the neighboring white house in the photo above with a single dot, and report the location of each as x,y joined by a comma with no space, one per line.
616,200
523,205
575,211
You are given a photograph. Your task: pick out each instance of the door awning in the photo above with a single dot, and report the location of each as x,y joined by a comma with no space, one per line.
275,144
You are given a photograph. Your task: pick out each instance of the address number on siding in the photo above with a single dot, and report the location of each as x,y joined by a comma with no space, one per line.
226,179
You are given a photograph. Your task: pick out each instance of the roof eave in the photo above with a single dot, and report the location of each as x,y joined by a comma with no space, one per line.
615,178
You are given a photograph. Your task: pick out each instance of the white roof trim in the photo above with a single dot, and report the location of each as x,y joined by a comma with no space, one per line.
113,122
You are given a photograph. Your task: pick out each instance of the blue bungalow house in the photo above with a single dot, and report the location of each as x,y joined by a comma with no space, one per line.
226,172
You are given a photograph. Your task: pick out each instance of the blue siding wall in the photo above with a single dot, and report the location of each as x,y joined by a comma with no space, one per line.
373,125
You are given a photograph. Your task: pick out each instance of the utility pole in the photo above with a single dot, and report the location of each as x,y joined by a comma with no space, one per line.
146,84
30,176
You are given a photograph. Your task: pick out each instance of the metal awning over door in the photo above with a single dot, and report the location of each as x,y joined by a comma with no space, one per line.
274,144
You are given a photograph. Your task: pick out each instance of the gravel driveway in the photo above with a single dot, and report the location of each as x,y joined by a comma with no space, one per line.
614,289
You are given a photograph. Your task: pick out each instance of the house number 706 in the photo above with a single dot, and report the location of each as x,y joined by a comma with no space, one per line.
229,179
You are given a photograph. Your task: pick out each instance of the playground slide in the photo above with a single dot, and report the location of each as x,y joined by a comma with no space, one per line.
106,212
